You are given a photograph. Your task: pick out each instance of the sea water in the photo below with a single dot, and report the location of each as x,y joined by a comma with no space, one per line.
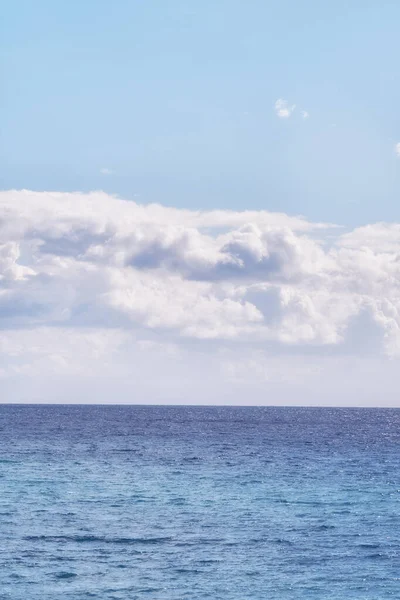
173,503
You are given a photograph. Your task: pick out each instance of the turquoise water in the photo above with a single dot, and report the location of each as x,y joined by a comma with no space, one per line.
190,503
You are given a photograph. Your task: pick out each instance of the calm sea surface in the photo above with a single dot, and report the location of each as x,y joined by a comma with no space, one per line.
189,503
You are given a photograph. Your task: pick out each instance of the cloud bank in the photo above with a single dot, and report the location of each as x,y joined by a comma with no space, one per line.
149,303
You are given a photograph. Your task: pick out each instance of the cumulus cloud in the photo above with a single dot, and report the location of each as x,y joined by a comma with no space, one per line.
91,286
397,149
283,109
106,171
305,114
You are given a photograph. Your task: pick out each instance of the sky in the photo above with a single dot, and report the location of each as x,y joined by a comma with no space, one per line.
199,202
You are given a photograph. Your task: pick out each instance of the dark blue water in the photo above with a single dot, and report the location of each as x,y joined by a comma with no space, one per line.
192,503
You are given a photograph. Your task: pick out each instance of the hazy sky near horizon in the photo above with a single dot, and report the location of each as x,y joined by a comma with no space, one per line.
208,127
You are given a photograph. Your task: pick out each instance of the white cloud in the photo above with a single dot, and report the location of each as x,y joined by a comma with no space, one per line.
304,115
106,171
283,109
95,288
397,149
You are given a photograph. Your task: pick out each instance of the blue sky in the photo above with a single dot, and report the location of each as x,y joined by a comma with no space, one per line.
175,101
120,121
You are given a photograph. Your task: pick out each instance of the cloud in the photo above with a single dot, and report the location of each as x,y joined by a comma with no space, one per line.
283,109
106,171
397,149
304,115
94,287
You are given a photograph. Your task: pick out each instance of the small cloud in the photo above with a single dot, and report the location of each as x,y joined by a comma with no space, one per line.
397,149
283,109
304,115
106,171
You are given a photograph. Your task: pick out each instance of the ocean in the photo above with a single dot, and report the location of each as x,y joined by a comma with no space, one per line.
173,503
